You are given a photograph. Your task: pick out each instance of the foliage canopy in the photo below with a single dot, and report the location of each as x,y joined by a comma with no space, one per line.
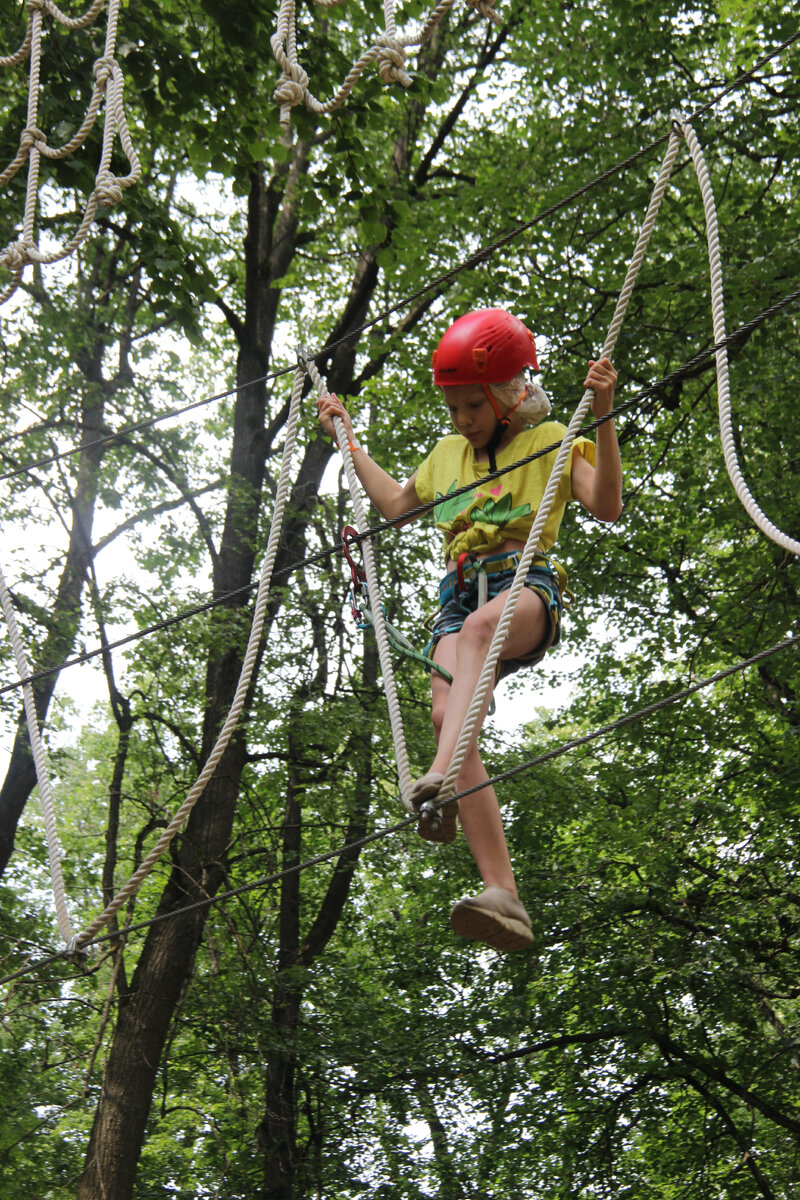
322,1034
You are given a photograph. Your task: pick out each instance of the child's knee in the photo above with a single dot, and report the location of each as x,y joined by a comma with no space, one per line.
478,629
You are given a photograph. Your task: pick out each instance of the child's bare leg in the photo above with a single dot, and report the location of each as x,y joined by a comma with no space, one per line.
464,654
483,827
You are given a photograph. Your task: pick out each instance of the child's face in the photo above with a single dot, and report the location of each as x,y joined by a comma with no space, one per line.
471,413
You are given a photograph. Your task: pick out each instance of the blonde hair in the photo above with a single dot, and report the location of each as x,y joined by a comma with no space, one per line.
533,406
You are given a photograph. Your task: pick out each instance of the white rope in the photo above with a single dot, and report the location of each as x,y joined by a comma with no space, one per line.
245,679
378,620
721,358
487,676
389,50
245,676
680,129
40,763
108,88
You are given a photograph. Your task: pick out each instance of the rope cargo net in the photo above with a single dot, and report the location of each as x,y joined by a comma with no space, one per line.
107,93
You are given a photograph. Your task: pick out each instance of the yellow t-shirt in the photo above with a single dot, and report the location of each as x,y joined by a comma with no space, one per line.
482,519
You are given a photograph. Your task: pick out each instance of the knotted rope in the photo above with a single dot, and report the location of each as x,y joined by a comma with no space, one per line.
108,88
389,50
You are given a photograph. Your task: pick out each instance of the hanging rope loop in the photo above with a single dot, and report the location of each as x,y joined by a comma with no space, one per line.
745,496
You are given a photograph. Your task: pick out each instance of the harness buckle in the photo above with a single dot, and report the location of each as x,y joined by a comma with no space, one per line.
470,560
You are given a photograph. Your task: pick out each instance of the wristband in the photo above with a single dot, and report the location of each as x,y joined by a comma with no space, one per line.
354,445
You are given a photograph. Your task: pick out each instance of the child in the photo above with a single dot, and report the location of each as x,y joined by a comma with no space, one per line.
480,365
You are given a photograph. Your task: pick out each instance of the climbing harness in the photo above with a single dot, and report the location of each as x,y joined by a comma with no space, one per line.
389,51
108,89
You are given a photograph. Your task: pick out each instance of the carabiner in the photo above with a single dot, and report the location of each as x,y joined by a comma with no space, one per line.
358,576
464,560
349,534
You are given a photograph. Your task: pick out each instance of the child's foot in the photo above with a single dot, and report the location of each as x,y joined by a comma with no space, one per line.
496,918
444,826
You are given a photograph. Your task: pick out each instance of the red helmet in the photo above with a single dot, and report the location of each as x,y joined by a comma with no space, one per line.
486,346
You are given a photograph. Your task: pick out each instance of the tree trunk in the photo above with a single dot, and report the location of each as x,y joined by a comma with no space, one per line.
277,1133
166,962
63,620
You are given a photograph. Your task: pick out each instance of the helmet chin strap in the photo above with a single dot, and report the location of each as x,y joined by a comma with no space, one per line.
502,424
494,441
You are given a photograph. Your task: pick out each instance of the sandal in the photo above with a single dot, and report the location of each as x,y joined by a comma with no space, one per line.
444,825
496,918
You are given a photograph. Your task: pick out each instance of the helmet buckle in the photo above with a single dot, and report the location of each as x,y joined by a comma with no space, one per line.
480,359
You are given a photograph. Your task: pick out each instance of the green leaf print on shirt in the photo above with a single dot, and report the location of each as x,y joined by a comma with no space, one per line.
491,512
499,512
448,510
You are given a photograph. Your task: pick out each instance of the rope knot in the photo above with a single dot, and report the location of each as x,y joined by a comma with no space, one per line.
486,9
292,91
103,69
35,5
16,256
30,136
107,188
392,61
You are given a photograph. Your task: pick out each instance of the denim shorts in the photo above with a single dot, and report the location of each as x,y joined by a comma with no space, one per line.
541,578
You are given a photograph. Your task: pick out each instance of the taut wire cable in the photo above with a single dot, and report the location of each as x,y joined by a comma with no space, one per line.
397,827
649,392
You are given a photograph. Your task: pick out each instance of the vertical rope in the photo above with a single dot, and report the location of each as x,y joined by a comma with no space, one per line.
487,676
721,358
378,620
40,763
245,677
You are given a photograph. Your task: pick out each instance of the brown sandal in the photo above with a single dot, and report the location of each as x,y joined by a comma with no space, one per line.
496,918
443,825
